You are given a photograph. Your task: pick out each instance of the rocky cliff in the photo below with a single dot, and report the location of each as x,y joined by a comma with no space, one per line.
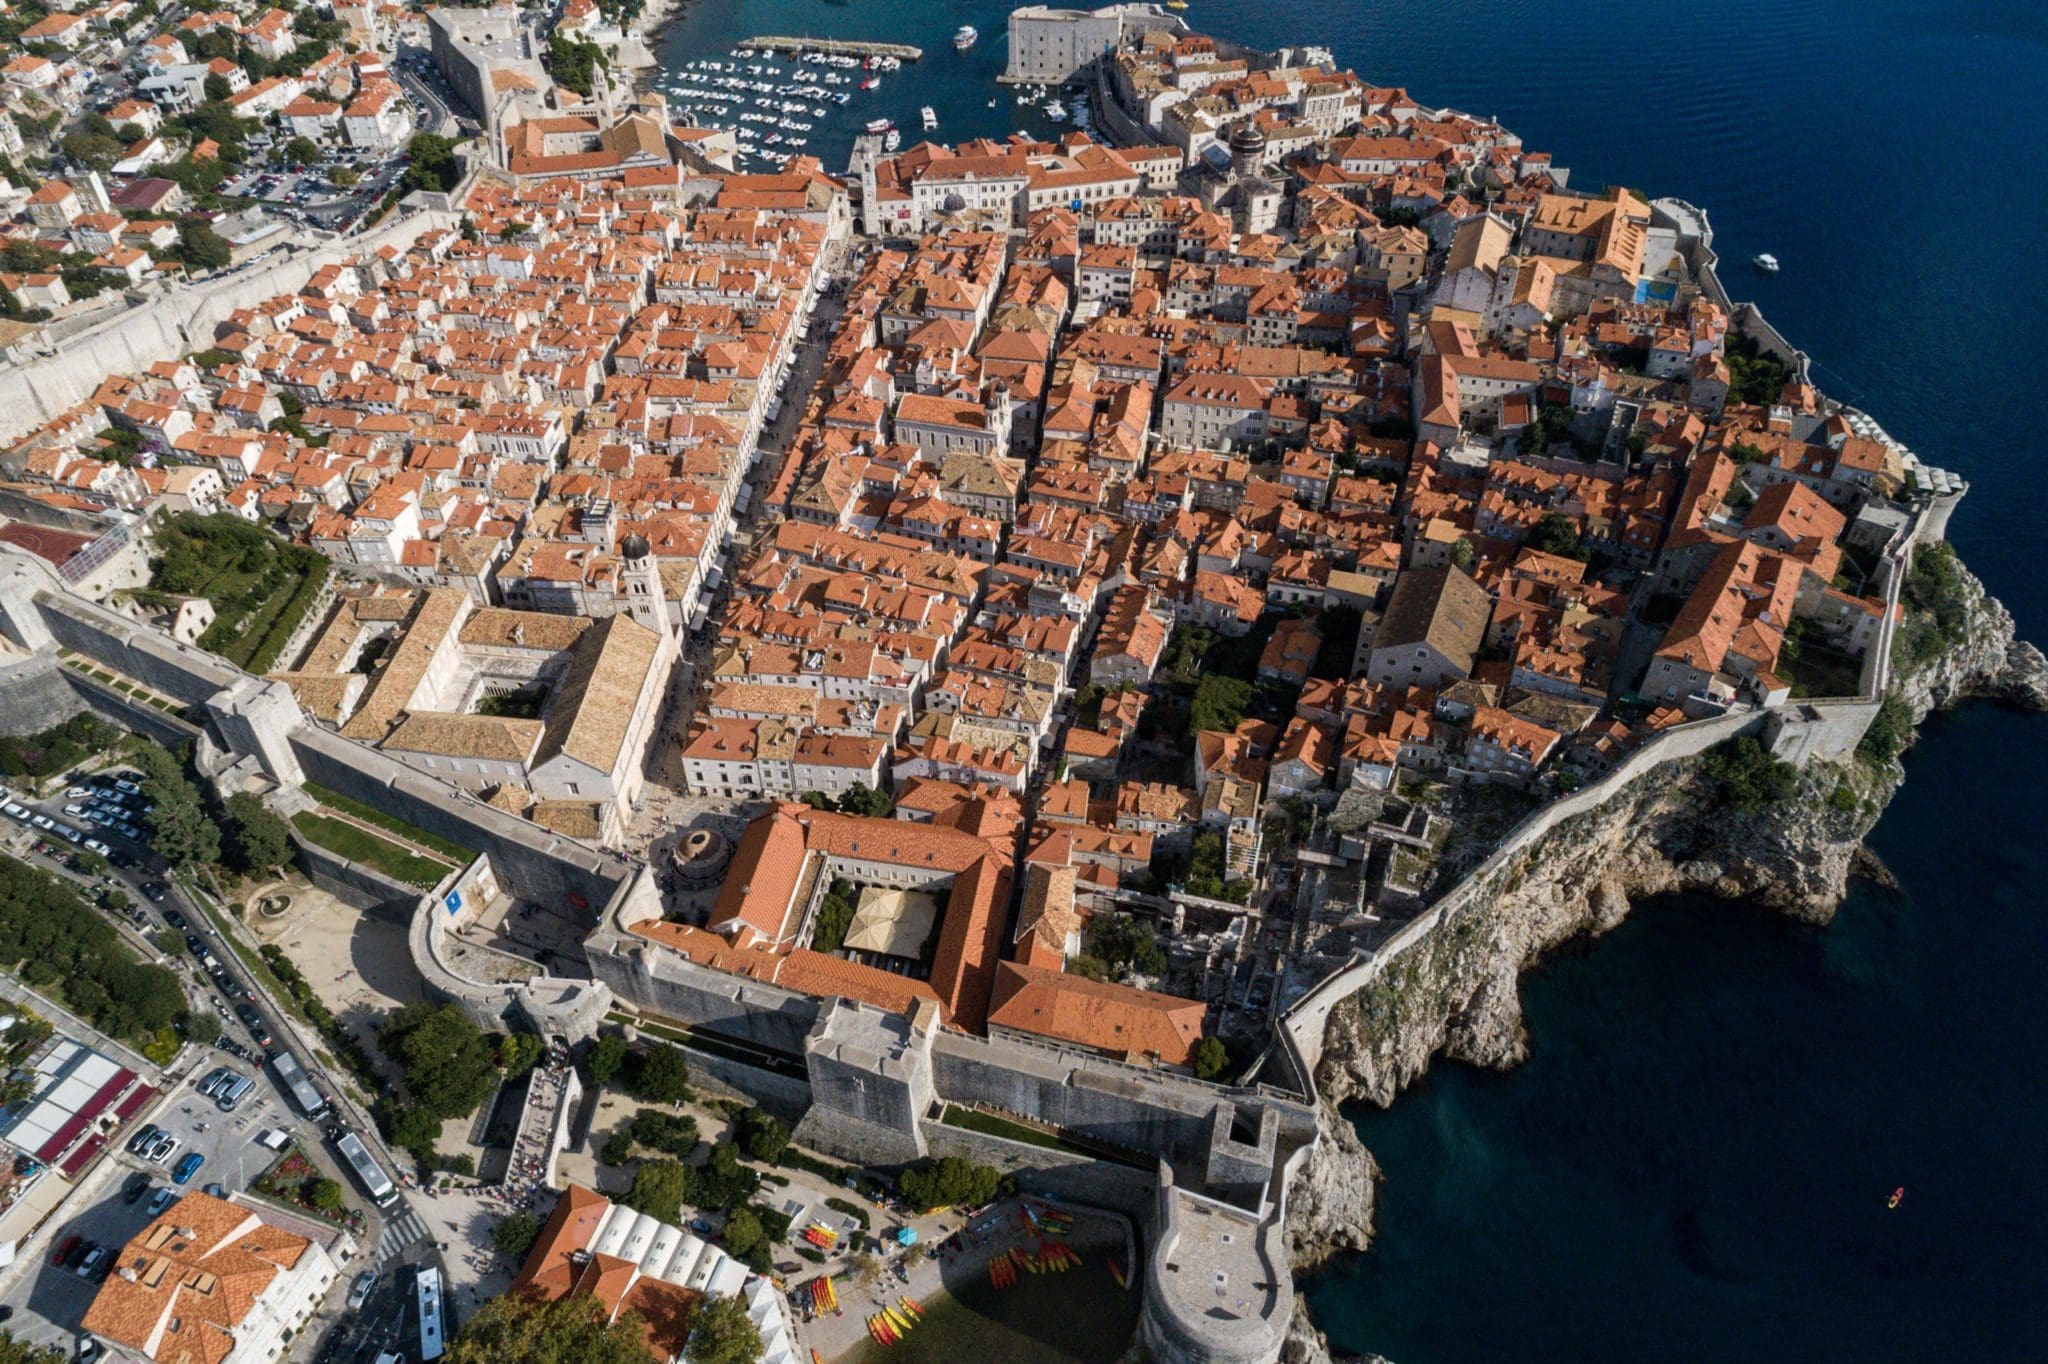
1457,991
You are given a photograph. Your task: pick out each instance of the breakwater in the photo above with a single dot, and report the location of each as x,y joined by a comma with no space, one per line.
832,47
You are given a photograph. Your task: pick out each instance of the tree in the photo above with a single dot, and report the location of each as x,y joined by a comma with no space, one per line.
762,1135
181,830
607,1056
518,1052
324,1194
449,1066
258,841
617,1148
669,1133
1210,1058
514,1235
200,247
301,151
1558,534
1220,703
517,1330
743,1232
14,1351
658,1187
862,799
723,1333
660,1075
430,164
217,89
950,1181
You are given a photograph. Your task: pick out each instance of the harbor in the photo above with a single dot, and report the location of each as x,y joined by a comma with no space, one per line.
831,47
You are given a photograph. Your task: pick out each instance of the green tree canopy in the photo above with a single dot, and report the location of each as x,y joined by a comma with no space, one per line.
258,841
660,1075
762,1135
14,1351
948,1182
516,1330
658,1187
449,1066
200,247
607,1057
302,151
724,1334
1210,1058
514,1235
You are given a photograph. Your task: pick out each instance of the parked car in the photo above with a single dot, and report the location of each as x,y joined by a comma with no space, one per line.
160,1200
144,1135
359,1291
64,1249
136,1187
186,1168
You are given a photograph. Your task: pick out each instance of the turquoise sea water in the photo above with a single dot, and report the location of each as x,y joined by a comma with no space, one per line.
1693,1165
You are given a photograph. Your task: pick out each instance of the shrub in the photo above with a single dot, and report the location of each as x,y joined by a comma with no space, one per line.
951,1181
1750,778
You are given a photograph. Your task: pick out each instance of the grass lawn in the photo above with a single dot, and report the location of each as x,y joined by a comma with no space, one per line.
990,1125
359,845
385,820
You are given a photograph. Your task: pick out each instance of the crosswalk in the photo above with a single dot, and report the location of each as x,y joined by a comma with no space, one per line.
398,1235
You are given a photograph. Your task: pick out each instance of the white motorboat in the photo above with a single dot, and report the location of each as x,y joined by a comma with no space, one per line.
931,120
1766,262
967,36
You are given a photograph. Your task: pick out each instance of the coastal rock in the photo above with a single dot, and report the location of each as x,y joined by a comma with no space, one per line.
1987,663
1306,1345
1330,1203
1457,991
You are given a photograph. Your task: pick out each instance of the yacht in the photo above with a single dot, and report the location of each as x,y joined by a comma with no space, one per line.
879,125
1056,111
967,36
931,120
1766,262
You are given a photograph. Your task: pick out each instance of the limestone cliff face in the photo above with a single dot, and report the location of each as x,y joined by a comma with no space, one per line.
1988,662
1457,991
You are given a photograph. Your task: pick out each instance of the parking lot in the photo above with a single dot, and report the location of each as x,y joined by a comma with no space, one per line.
49,1300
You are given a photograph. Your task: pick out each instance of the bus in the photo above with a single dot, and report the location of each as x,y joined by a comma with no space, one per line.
368,1174
292,1077
427,1297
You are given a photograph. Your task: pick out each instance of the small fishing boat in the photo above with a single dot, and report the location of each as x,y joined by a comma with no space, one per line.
1898,1197
1766,262
879,125
931,120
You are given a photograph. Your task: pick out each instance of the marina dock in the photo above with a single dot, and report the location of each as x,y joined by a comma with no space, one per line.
834,47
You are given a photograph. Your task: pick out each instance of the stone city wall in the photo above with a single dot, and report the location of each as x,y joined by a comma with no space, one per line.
169,730
39,696
1049,1173
355,884
182,672
176,323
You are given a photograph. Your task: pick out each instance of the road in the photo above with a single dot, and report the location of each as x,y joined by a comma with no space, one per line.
49,1301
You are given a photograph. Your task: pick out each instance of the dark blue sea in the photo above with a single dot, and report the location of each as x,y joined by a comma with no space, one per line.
1694,1162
